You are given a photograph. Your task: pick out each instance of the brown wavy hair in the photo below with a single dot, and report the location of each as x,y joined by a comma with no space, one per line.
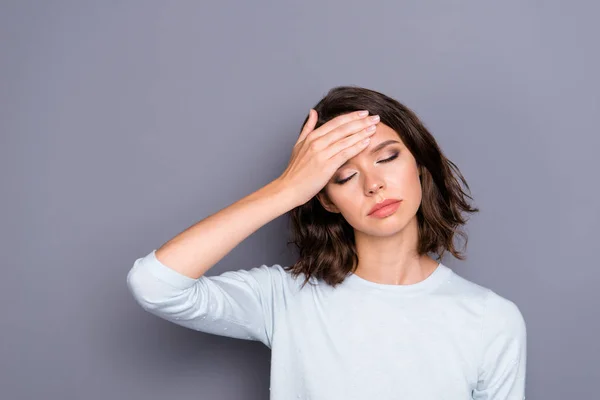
325,240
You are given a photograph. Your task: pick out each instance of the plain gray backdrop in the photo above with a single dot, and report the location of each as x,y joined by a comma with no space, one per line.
124,122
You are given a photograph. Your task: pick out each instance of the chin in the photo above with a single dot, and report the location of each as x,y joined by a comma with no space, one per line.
382,227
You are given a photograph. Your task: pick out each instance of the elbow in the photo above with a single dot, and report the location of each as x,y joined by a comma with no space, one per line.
155,295
139,289
146,290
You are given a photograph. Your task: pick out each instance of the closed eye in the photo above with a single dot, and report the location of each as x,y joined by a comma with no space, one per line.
389,159
382,161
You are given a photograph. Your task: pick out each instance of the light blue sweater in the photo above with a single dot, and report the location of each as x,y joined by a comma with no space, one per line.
442,338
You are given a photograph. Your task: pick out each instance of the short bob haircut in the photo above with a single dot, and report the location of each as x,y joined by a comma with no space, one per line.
325,240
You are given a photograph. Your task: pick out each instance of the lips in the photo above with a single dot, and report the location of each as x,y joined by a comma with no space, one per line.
384,203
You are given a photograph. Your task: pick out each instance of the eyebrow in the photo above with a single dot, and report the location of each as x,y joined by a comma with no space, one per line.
377,148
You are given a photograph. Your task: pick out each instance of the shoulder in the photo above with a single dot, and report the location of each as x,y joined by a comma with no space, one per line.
495,311
502,314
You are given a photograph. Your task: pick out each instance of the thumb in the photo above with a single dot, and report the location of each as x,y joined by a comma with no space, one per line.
309,125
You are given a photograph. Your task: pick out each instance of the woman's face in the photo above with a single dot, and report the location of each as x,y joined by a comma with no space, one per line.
367,179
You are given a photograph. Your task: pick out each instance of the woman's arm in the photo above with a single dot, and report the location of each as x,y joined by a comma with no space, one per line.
170,282
201,246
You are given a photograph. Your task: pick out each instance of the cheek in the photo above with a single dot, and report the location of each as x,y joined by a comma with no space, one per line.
404,180
414,188
349,204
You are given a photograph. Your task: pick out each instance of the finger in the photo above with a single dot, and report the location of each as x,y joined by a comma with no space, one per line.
350,142
338,121
350,129
309,125
351,149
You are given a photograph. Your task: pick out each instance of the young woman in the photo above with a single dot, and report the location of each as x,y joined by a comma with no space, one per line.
365,312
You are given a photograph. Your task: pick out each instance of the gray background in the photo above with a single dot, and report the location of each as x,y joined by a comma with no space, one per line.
124,122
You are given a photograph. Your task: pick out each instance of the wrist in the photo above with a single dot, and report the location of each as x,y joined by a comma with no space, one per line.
282,194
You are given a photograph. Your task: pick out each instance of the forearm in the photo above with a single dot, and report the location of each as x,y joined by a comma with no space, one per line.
195,250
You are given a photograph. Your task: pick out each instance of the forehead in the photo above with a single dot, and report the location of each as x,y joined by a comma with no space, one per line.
382,133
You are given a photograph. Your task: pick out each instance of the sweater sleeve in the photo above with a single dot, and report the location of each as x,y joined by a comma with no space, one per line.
504,350
238,304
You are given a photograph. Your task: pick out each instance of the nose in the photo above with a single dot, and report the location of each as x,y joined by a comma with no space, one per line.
375,187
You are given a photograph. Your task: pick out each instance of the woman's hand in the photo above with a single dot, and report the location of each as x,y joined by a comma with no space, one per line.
319,153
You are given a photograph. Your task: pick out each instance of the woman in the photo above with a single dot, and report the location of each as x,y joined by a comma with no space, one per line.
379,318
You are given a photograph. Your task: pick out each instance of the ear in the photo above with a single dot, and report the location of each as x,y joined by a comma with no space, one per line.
326,203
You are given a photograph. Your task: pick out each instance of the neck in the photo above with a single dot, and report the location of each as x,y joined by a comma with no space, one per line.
393,260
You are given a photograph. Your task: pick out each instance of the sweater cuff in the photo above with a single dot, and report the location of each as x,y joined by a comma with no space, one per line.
167,275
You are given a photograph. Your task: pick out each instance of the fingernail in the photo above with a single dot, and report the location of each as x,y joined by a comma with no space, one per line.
363,113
